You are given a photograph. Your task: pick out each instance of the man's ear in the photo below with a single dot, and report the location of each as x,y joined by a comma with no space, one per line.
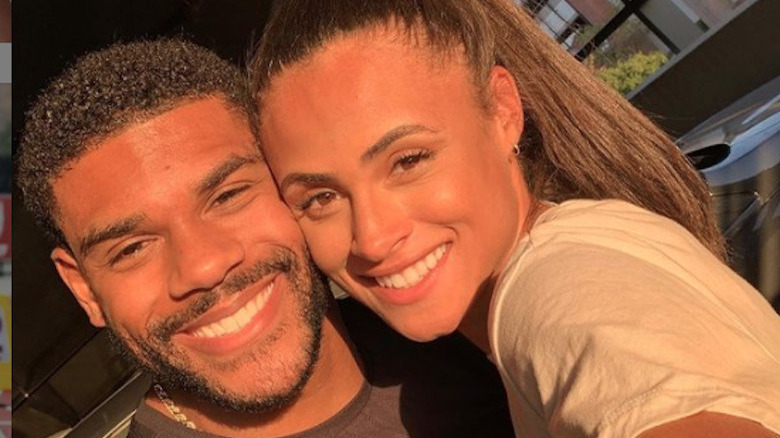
71,275
506,104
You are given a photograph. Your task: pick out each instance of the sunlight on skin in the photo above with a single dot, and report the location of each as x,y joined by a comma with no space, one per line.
707,425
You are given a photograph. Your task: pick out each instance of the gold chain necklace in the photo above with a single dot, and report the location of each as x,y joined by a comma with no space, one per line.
178,415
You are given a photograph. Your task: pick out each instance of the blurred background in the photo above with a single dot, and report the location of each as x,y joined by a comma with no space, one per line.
5,218
5,257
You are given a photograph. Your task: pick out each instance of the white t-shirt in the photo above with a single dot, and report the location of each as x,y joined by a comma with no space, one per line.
610,320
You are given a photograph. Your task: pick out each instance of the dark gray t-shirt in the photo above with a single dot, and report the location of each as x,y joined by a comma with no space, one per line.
365,416
444,388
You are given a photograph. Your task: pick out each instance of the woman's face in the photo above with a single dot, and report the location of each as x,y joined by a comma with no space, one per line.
405,187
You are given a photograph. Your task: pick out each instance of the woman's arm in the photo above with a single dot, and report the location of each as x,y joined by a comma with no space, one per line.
709,424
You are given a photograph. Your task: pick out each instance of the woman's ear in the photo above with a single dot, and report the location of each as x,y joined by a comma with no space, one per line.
506,104
71,275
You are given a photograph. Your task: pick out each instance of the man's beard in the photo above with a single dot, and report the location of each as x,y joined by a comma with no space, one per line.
157,357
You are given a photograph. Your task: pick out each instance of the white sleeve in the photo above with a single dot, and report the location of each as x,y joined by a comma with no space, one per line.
605,344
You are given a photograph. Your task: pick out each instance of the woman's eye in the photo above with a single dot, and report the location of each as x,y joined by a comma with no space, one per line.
410,160
318,201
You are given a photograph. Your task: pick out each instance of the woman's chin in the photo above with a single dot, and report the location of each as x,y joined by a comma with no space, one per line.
424,332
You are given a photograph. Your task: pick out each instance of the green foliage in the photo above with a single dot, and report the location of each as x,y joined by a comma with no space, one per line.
626,75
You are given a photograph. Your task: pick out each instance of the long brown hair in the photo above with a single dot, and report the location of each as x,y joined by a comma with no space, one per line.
581,139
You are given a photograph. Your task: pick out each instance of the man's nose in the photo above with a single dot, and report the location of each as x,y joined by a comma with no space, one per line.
378,227
202,256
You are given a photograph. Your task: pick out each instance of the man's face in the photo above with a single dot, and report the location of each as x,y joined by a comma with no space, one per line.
183,248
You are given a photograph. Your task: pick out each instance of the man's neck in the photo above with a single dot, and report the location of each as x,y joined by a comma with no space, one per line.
335,381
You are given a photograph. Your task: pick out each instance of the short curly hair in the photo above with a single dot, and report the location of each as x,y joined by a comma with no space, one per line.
104,92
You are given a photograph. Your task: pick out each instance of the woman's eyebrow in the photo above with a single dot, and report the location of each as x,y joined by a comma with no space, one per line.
307,179
395,134
390,137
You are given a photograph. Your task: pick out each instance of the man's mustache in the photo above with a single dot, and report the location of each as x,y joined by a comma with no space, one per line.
283,261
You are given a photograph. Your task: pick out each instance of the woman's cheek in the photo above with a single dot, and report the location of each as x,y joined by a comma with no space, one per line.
329,245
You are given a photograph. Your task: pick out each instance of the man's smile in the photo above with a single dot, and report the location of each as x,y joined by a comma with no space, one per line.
236,321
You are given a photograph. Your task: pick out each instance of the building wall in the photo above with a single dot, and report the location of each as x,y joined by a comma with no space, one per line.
594,11
728,62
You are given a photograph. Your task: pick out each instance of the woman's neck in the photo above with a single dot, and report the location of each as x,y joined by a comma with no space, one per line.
474,324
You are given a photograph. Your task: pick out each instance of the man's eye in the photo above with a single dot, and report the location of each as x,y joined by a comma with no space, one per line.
127,252
229,194
411,159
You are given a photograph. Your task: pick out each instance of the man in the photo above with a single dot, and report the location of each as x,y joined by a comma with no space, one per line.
140,163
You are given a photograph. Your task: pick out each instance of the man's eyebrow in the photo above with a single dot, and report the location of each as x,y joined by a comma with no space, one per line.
119,228
389,138
224,170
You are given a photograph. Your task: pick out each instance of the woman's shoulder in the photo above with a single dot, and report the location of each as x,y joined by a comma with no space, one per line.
621,228
603,214
603,253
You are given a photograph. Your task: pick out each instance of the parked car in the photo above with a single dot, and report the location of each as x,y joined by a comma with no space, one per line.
737,151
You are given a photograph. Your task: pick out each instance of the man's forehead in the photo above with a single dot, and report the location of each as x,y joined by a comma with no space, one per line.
209,119
192,146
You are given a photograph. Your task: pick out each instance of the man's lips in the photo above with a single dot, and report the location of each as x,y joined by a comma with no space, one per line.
232,318
238,320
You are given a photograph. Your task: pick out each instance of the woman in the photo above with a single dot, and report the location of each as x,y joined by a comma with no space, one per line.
444,159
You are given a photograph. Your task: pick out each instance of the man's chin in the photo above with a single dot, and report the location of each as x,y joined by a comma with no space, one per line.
273,374
262,400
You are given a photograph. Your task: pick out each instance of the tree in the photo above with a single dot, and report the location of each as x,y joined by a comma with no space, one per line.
626,75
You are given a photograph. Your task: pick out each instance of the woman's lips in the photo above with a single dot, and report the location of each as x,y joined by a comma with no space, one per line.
415,273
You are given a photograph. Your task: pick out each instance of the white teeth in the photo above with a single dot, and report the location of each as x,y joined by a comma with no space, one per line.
230,324
415,273
430,261
243,316
411,276
217,329
209,332
251,308
238,320
421,268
